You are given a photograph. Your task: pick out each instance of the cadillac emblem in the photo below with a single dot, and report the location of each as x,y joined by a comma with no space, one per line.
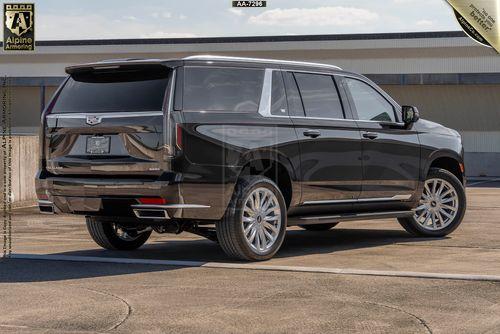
93,120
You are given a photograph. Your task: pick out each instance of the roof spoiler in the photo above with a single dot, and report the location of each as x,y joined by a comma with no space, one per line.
116,64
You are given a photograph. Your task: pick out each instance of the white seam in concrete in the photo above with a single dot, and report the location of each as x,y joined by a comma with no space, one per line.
252,266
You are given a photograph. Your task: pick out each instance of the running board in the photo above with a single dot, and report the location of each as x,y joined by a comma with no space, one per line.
310,220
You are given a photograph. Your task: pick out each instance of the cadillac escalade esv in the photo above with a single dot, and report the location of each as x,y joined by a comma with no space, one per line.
237,149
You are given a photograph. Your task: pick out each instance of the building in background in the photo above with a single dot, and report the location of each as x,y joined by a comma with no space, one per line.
449,77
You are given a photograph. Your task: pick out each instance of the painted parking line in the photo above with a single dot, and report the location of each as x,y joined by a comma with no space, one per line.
253,266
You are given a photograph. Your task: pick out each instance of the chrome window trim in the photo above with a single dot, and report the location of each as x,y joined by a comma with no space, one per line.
107,115
373,199
324,118
266,95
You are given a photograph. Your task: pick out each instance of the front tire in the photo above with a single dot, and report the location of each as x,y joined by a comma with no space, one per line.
254,225
115,237
441,208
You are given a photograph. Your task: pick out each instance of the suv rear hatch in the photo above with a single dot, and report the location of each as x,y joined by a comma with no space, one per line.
108,120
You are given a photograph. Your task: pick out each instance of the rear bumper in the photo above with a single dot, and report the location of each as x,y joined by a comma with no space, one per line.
117,197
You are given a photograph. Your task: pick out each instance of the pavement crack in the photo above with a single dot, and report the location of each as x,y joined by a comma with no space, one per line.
420,320
129,307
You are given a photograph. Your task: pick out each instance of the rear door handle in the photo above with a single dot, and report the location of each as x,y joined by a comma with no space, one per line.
312,133
370,135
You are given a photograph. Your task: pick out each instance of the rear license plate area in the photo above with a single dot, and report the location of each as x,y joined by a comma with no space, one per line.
98,144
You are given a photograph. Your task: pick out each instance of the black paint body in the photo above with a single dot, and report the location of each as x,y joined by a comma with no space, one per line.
340,171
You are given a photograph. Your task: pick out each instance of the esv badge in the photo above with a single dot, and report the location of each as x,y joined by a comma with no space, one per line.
19,27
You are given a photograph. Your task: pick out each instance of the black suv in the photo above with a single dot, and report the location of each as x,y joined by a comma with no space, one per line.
237,149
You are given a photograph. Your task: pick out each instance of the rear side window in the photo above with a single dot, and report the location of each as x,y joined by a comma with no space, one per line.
293,97
370,105
278,96
113,91
319,95
222,89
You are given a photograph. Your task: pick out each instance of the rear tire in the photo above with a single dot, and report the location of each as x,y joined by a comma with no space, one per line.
444,206
254,225
318,227
114,237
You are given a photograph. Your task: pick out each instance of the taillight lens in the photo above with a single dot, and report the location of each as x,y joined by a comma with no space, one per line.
42,197
178,136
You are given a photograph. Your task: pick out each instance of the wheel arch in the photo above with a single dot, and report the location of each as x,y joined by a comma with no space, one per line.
276,167
448,160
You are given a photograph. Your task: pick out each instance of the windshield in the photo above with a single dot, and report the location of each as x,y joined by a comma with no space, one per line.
128,89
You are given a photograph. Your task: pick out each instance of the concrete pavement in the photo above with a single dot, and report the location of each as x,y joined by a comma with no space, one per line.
51,296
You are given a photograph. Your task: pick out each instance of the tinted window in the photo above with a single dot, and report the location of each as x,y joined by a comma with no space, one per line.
319,95
131,90
370,105
292,93
278,97
222,89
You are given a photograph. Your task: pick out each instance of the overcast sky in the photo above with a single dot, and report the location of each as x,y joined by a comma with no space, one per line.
98,19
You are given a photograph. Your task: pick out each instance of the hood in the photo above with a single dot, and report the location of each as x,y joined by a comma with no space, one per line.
424,125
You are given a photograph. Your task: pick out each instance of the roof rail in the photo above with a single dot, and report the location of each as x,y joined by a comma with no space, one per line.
257,60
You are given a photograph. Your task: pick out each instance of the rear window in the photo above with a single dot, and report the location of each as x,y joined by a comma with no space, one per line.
114,91
222,89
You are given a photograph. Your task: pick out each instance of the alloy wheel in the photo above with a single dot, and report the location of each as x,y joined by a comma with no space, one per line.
438,205
261,219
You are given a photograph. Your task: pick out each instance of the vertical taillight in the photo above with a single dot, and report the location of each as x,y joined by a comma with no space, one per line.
178,136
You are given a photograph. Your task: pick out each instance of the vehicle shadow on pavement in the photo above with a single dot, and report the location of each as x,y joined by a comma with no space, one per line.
28,271
297,243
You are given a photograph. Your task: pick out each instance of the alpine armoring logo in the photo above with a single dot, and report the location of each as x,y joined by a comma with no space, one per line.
19,27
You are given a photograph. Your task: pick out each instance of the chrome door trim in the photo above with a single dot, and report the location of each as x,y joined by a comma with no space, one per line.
373,199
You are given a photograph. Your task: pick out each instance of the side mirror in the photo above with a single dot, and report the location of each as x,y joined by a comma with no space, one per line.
410,114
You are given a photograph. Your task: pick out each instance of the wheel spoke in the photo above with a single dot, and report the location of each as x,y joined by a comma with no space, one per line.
421,207
427,190
426,218
262,238
440,218
271,227
446,214
446,200
448,207
440,189
268,235
271,218
248,219
249,228
433,220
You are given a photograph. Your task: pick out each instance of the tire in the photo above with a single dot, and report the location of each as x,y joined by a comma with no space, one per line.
230,230
105,235
318,227
416,227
